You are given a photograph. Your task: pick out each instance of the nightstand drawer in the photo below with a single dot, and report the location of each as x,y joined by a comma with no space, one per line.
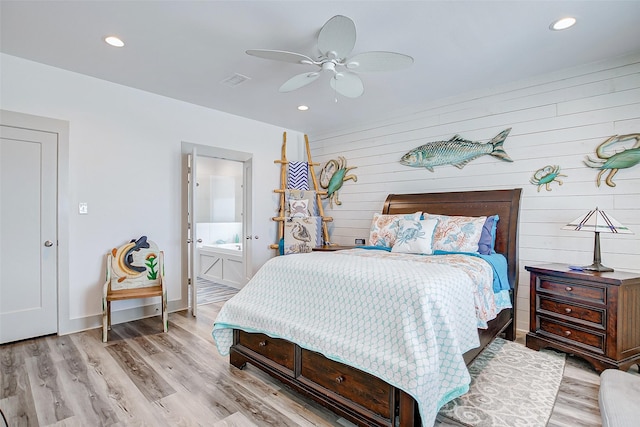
593,341
588,316
587,293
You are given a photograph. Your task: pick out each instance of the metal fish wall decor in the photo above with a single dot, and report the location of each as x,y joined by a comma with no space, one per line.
456,151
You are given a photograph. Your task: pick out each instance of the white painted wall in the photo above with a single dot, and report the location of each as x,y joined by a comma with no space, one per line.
125,162
556,119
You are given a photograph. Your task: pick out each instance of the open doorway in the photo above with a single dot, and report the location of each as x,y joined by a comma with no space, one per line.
216,223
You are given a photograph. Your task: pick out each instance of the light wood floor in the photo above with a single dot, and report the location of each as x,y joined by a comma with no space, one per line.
145,377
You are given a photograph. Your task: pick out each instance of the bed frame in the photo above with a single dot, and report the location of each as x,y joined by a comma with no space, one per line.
360,397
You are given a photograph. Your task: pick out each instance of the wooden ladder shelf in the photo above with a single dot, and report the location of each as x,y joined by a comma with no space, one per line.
281,218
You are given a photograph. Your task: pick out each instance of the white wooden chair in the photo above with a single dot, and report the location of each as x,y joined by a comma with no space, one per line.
134,270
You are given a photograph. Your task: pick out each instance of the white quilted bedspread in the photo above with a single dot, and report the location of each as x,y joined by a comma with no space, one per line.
403,319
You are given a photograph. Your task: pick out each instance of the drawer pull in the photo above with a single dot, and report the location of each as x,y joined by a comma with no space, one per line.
568,289
567,333
262,343
567,310
340,379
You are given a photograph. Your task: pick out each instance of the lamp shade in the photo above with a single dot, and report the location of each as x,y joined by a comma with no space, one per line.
597,221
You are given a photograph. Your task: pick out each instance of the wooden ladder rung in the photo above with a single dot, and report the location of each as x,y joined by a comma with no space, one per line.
280,191
284,218
286,162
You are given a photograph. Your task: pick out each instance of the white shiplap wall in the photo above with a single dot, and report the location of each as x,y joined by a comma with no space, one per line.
556,119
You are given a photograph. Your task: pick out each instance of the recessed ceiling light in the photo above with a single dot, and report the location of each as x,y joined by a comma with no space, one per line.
303,107
114,41
562,24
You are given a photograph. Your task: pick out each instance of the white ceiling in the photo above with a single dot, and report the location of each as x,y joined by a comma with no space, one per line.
184,49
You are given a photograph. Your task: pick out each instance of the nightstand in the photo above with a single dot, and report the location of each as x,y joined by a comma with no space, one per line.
331,248
593,315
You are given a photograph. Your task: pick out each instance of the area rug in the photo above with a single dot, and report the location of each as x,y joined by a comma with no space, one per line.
209,291
511,385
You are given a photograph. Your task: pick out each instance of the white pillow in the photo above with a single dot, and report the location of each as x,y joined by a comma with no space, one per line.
415,237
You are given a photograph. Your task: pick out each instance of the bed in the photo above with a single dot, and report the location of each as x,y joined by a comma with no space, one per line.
359,390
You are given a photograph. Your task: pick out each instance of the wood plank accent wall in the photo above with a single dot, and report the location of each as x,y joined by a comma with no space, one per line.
556,119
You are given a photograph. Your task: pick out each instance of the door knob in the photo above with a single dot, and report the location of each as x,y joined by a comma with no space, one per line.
48,243
199,240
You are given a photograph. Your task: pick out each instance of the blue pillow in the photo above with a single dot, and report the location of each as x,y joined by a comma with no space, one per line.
488,236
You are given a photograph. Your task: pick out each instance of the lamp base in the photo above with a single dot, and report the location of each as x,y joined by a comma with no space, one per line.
597,267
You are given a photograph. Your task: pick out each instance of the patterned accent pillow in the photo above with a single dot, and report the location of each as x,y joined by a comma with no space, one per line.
299,208
309,195
415,237
457,233
384,228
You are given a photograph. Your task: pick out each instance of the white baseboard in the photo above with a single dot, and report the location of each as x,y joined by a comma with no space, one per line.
120,316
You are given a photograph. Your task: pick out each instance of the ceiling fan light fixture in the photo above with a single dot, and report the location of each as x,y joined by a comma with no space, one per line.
329,66
114,41
336,41
563,23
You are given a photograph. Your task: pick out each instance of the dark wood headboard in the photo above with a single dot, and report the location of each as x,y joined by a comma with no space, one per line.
505,203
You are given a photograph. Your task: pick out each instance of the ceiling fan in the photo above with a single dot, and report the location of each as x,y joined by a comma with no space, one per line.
335,42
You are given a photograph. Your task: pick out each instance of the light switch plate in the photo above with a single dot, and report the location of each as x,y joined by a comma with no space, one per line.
83,208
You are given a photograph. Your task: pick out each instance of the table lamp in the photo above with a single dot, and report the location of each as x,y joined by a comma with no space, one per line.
598,222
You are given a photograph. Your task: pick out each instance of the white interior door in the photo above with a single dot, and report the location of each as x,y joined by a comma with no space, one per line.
193,264
247,229
28,235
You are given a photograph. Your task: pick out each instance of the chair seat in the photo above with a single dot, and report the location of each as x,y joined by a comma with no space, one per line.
123,294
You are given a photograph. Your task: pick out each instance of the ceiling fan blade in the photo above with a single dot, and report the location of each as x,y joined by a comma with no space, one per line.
281,55
379,61
347,84
337,37
296,82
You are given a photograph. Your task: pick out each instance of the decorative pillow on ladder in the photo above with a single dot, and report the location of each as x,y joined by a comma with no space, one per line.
300,234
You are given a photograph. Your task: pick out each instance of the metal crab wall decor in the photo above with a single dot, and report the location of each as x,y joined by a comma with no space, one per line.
613,162
332,175
545,176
